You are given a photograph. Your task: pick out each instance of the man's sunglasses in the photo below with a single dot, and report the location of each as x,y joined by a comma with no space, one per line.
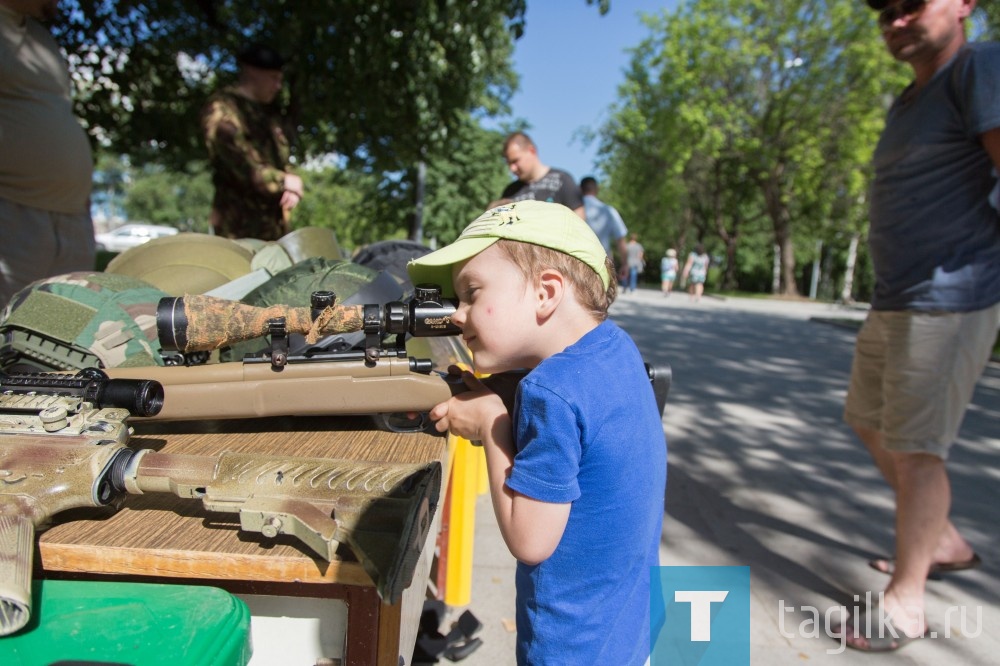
889,15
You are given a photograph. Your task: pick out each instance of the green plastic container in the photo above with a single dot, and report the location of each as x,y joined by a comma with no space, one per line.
130,623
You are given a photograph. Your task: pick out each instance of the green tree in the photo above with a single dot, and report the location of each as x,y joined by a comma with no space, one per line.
378,81
736,111
179,199
363,208
384,84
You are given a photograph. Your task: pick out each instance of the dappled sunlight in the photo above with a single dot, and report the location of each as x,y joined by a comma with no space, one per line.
763,470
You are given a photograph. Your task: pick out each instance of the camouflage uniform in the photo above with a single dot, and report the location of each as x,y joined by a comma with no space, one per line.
249,155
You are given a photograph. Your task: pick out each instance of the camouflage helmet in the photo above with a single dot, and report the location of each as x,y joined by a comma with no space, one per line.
351,282
80,320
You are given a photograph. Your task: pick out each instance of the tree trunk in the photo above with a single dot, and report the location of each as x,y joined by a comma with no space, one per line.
846,294
788,287
776,271
814,282
781,220
417,231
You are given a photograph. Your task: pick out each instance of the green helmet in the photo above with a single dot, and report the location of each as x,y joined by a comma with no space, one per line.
352,284
186,263
80,320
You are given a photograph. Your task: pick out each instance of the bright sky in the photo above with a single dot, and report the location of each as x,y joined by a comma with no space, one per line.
571,61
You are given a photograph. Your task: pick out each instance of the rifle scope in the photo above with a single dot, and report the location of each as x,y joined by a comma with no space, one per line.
203,323
426,315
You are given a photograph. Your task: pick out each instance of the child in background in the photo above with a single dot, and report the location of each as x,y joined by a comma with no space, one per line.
668,271
577,471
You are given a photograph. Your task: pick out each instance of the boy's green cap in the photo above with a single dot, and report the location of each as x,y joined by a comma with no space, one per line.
550,225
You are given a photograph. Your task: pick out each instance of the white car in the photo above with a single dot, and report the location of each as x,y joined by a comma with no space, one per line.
131,235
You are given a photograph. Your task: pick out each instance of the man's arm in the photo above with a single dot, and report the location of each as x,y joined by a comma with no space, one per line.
623,256
292,195
991,142
620,233
569,194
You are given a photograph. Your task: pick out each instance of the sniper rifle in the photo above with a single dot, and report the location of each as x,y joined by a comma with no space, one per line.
329,376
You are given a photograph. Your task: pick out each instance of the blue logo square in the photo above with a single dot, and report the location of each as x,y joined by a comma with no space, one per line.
699,616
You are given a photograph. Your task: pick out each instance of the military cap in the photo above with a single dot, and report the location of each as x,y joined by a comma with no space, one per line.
260,56
878,5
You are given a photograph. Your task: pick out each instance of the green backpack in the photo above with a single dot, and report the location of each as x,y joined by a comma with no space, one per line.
80,320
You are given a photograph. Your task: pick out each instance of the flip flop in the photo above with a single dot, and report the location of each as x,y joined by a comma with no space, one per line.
885,565
879,641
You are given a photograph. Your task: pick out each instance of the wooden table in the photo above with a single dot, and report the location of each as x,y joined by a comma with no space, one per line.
166,538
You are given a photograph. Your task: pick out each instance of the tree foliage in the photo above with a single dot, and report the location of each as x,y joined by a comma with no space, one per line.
382,82
383,85
179,199
746,117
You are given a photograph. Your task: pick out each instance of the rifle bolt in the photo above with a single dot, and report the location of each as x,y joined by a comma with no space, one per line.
271,528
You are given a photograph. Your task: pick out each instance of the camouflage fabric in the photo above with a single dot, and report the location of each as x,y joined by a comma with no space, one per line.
249,155
213,323
80,320
294,287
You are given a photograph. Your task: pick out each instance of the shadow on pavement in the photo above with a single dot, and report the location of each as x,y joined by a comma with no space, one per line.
763,471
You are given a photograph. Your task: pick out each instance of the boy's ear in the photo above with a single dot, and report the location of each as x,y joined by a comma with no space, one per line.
549,291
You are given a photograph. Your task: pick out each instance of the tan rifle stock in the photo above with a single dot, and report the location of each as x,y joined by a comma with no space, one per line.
247,390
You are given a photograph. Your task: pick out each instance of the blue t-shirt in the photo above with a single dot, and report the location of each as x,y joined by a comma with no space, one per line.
588,431
934,236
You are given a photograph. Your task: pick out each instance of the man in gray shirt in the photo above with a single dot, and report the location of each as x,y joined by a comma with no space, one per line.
935,247
45,159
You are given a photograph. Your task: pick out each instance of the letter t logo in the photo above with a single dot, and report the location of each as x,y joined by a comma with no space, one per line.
701,610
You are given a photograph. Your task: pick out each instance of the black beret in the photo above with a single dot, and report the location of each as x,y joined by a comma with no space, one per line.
260,56
878,5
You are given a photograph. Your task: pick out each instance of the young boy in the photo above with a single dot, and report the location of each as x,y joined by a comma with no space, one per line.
577,472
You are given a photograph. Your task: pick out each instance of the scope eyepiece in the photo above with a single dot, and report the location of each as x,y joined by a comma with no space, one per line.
172,323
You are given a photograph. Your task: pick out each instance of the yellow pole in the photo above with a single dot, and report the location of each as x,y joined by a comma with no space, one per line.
483,486
465,482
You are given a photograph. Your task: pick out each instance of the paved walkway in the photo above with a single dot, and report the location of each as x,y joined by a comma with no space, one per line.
764,473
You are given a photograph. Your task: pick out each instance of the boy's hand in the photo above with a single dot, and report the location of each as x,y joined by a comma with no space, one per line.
469,414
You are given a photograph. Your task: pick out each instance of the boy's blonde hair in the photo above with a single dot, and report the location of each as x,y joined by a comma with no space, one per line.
588,286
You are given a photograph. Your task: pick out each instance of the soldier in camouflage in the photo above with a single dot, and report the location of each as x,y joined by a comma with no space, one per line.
255,190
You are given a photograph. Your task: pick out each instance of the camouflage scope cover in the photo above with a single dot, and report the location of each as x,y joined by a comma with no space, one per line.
295,285
81,320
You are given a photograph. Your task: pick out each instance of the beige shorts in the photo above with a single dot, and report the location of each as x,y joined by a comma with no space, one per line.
914,373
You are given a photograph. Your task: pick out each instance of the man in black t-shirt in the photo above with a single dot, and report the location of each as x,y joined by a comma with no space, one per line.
535,180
